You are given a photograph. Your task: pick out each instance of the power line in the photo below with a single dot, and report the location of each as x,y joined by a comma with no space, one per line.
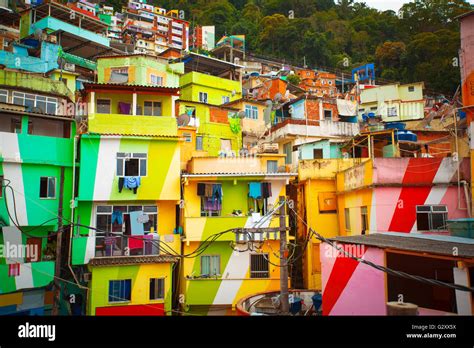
387,270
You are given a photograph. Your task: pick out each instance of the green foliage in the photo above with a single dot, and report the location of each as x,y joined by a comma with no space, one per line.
418,43
293,79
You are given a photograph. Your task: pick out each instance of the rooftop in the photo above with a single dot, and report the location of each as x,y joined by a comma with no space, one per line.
420,243
204,64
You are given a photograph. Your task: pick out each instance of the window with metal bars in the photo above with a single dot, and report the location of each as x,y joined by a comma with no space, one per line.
157,288
259,266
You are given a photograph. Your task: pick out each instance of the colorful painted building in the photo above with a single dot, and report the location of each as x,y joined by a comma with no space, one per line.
227,270
467,62
393,103
351,287
138,69
36,166
316,202
218,129
129,191
402,195
254,124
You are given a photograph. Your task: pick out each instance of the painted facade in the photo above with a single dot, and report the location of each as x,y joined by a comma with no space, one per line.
139,69
232,276
36,162
213,126
354,288
389,194
131,228
393,103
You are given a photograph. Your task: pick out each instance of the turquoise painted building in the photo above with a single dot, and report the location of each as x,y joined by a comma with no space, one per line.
320,149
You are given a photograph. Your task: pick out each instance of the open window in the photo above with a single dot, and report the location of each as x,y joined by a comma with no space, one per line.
131,164
47,187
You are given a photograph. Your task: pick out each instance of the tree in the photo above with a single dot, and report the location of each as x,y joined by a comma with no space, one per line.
293,79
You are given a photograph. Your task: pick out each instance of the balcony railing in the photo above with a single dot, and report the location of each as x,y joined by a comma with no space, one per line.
119,245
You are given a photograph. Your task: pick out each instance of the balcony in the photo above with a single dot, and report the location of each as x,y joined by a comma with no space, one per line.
312,128
133,125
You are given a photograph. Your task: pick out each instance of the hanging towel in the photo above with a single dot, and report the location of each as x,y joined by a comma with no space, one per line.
266,189
148,244
201,189
124,108
117,217
131,182
255,190
136,226
143,219
217,192
212,204
135,243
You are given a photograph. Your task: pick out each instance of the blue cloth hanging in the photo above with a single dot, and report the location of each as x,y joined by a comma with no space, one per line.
255,190
117,217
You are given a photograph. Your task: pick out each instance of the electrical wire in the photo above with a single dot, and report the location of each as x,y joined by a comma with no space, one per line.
387,270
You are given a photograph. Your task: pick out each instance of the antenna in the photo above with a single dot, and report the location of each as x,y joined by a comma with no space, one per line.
183,120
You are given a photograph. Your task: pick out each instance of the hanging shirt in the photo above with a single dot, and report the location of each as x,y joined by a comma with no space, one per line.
136,226
131,182
255,190
201,189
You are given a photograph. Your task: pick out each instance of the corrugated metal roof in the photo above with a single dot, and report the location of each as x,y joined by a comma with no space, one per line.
421,243
132,260
128,85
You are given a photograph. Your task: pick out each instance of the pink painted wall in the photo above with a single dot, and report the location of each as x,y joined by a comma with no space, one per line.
395,207
352,288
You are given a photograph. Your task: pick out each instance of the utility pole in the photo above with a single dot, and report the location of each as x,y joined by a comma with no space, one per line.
284,298
59,243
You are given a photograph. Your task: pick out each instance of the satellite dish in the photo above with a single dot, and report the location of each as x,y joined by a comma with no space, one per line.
241,114
234,92
183,120
277,97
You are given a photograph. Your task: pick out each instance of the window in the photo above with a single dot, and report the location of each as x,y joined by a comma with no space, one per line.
3,96
328,115
347,219
16,125
411,88
118,75
157,288
431,217
131,164
64,80
287,149
152,108
210,265
317,153
104,217
392,111
203,97
47,187
251,112
225,99
120,290
156,80
188,137
44,104
272,166
364,220
199,142
103,106
373,108
259,266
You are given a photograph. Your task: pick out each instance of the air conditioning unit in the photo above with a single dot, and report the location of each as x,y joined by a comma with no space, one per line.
87,277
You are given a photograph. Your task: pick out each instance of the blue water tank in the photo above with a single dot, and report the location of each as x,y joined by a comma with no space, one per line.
395,125
406,136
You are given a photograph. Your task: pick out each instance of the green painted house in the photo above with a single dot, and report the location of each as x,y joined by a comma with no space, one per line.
36,171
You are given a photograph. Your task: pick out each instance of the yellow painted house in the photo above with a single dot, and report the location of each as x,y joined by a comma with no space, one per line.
221,269
394,102
317,202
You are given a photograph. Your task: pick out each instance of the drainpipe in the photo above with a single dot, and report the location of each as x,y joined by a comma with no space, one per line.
466,195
